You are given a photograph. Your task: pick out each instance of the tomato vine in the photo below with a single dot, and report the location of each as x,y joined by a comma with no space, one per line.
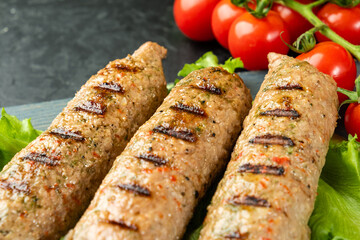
306,11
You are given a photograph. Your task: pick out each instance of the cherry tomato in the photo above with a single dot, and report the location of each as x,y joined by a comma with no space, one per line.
252,39
294,22
333,59
193,17
343,21
352,119
223,16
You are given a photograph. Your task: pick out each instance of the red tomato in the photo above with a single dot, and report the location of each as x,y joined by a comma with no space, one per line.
223,16
294,22
193,17
333,59
343,21
352,119
252,39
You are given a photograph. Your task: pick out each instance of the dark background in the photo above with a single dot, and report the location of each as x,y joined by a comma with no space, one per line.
49,48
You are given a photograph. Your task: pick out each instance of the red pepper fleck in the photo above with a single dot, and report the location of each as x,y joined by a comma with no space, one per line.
23,214
286,188
173,178
96,155
239,156
281,160
177,203
147,170
70,185
163,169
263,184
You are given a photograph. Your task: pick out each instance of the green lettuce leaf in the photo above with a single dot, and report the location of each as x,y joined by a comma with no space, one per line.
14,135
231,64
337,208
209,59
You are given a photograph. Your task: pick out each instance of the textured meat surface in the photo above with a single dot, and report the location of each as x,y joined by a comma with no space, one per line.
48,185
269,187
154,185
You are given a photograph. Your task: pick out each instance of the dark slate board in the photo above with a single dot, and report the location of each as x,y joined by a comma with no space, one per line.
42,114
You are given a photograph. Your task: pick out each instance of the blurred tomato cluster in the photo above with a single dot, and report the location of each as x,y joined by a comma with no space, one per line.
251,37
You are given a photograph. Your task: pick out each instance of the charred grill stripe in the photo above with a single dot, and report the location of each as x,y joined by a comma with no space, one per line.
126,68
237,235
122,224
91,107
211,88
135,188
281,113
262,169
184,134
111,86
190,109
14,186
269,139
156,160
249,201
42,158
67,134
290,86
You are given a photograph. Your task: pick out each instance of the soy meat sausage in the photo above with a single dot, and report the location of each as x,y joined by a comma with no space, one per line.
48,185
154,185
269,187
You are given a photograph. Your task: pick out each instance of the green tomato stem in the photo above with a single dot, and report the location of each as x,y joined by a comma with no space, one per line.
306,11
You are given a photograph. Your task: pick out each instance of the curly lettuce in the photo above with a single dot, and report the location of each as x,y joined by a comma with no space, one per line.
209,59
337,208
14,135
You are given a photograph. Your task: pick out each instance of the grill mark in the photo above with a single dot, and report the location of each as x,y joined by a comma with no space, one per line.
14,186
211,88
122,224
262,169
237,235
156,160
42,158
281,113
91,107
135,188
67,134
190,109
126,68
290,86
111,86
270,139
249,201
185,134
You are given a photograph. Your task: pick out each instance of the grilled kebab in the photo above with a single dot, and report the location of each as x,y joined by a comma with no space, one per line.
46,187
269,187
154,185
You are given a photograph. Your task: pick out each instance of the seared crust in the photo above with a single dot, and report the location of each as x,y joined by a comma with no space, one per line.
170,161
47,186
269,187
